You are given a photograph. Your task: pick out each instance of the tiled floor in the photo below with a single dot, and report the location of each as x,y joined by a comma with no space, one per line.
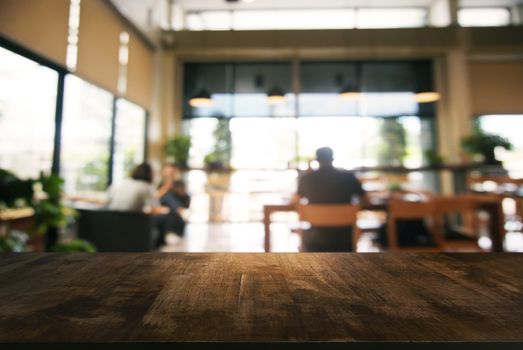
248,237
233,237
242,237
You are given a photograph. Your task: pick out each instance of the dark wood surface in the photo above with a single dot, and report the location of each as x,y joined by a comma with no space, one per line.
222,297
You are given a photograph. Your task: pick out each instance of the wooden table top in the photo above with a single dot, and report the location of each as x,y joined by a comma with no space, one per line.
225,297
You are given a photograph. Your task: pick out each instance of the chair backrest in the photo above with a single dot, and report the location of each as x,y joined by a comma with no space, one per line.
498,181
329,215
400,209
454,204
467,207
406,210
117,231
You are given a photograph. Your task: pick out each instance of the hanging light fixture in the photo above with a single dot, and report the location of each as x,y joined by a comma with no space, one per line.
275,95
349,91
426,96
423,90
201,99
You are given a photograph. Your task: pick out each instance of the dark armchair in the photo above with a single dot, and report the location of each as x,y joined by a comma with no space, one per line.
117,231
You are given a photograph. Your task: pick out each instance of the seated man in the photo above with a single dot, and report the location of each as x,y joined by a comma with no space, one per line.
328,185
172,194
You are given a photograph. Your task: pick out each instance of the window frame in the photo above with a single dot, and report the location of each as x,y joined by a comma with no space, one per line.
62,71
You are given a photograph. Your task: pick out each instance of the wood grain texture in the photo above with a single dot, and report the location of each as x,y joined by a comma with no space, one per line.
304,297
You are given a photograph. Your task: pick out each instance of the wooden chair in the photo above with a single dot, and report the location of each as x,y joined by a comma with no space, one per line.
332,215
477,181
501,182
405,210
466,206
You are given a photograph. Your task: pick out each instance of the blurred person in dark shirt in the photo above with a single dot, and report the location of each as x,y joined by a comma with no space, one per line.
328,185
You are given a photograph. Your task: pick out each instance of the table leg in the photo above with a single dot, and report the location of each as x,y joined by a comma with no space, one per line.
267,228
496,225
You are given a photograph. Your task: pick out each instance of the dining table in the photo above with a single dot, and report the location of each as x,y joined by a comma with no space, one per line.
379,202
261,300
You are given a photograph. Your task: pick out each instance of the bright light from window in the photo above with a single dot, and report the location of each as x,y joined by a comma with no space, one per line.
307,19
294,19
86,132
129,139
27,109
194,21
391,18
123,59
72,35
508,126
262,143
483,17
209,20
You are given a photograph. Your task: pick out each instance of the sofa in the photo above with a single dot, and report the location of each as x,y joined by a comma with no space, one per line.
117,231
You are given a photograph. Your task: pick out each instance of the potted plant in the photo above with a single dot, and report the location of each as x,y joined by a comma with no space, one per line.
50,214
482,145
433,158
75,245
219,159
217,166
177,150
394,148
15,193
43,195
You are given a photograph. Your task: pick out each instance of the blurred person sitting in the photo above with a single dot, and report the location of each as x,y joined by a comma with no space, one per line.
136,193
172,193
328,185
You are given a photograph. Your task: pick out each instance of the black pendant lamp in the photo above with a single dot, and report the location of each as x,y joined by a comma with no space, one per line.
424,93
350,91
201,99
275,95
426,96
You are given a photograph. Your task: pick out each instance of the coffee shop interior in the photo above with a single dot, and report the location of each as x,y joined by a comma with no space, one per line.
226,104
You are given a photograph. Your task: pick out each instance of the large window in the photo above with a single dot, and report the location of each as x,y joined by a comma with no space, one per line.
91,124
27,115
508,126
379,124
129,138
263,143
86,135
256,143
239,89
361,141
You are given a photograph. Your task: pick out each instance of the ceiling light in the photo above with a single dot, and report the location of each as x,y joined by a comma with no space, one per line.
350,90
427,96
201,99
349,93
275,95
248,1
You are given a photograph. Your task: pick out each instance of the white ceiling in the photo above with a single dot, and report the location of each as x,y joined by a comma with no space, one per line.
199,5
150,15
